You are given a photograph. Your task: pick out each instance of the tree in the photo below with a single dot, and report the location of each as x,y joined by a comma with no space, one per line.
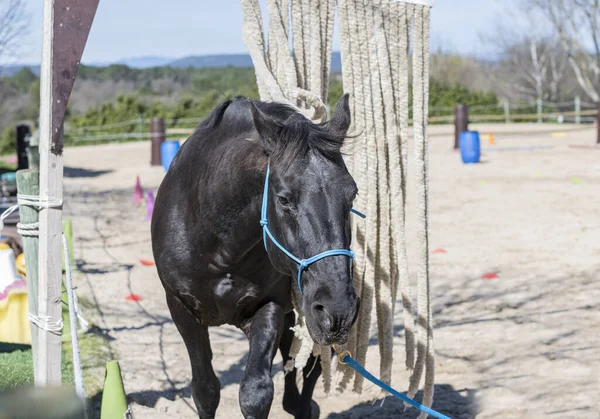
532,63
576,23
14,23
534,68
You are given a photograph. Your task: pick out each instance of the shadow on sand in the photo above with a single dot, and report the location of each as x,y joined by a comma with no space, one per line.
457,404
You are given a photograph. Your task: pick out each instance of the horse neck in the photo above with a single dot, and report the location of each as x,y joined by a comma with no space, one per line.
235,197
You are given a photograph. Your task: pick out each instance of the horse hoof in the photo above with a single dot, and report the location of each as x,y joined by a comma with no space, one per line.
315,411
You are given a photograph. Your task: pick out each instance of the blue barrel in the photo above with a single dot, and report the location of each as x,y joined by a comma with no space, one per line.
168,150
470,149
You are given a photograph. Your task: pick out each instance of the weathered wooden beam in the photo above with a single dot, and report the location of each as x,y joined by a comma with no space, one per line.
48,360
66,26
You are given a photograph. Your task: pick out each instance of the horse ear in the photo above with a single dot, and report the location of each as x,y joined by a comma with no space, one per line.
265,126
341,118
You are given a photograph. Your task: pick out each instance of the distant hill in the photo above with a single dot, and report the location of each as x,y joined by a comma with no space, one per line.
215,61
143,62
235,60
194,61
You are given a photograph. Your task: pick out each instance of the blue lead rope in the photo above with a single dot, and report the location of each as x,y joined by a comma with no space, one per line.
343,356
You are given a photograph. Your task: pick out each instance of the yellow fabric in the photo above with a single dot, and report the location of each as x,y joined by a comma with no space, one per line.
14,322
20,264
4,246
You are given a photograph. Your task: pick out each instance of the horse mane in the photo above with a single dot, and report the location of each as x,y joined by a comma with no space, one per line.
295,134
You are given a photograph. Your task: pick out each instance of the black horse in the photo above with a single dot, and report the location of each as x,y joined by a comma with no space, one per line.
208,244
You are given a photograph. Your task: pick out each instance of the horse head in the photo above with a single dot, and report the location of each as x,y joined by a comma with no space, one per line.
307,206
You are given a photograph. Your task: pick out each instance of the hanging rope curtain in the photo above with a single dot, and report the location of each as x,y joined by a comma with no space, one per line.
376,39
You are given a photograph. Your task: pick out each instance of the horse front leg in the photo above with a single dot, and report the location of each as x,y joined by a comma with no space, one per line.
308,408
301,406
256,389
291,395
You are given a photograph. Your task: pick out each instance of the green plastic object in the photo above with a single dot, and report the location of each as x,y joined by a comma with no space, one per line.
68,230
114,399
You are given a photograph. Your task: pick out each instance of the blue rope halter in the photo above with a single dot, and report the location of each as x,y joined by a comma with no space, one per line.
302,263
343,356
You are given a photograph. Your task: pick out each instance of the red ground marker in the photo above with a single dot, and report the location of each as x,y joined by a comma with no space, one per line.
133,297
489,275
438,251
147,262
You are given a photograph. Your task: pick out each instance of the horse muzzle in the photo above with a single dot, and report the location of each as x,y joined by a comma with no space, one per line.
330,323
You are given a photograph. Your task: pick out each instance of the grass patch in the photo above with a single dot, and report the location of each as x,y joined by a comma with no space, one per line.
16,366
7,167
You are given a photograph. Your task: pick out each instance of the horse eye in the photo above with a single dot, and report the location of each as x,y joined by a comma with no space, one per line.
284,201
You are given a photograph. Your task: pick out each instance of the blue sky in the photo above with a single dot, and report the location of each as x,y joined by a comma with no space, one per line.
177,28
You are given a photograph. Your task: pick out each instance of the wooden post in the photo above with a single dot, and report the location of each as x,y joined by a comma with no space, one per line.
66,26
157,130
28,183
50,243
461,122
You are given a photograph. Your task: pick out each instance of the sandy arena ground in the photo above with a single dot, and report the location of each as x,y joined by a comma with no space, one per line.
524,345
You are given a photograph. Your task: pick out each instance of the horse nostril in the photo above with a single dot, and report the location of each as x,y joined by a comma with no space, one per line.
321,315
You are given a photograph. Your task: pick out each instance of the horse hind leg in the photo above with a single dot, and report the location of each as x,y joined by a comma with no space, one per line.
206,388
291,395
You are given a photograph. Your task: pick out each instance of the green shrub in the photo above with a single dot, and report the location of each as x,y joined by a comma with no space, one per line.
8,140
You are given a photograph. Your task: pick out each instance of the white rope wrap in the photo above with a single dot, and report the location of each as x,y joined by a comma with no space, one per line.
47,323
31,229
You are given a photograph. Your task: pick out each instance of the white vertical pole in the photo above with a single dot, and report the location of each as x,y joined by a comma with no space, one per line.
48,371
577,110
507,111
539,111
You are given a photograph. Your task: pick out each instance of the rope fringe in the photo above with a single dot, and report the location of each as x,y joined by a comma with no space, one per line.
375,41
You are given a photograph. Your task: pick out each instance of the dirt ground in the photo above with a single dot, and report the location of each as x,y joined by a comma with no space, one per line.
523,345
